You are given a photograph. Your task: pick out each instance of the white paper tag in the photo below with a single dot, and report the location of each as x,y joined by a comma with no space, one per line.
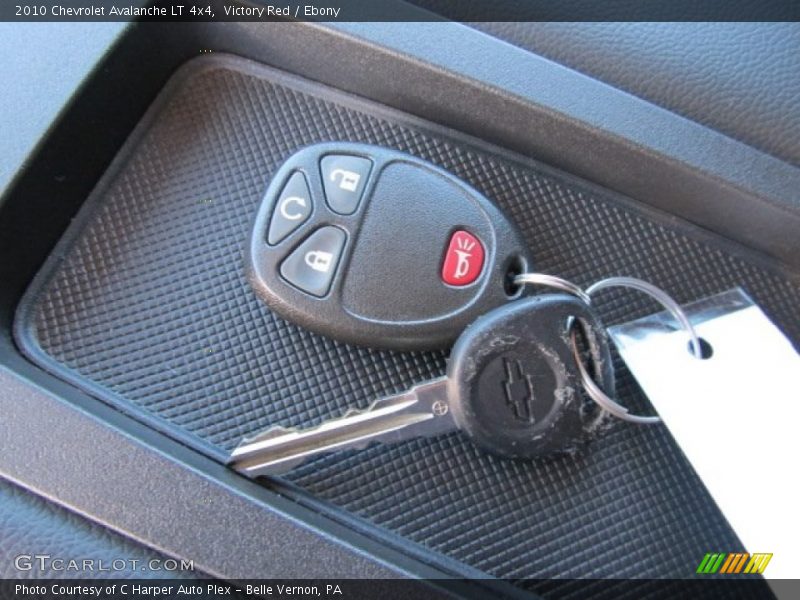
736,415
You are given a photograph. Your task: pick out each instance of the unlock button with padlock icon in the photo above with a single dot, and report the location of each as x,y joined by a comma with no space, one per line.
344,179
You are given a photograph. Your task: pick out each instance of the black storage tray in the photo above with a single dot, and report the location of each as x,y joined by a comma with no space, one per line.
144,305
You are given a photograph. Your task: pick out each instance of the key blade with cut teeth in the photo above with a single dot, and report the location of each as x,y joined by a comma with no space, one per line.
423,411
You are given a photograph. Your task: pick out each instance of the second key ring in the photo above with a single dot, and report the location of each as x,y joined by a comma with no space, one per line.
659,295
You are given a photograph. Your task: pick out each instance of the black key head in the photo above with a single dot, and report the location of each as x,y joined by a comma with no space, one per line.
514,386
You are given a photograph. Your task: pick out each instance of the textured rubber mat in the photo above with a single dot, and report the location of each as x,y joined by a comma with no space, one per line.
145,304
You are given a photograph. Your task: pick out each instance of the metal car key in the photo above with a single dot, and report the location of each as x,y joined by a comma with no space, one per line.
512,386
375,247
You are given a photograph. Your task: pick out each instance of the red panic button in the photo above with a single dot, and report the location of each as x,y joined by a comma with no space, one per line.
463,260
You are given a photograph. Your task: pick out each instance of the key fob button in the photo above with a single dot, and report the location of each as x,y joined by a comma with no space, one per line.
291,210
463,260
344,178
312,265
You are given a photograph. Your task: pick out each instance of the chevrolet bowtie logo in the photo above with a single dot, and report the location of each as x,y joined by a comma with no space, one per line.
518,390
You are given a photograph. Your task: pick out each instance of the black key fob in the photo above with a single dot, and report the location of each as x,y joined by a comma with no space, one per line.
378,248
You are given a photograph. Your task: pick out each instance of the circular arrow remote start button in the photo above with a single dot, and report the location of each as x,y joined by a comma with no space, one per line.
463,260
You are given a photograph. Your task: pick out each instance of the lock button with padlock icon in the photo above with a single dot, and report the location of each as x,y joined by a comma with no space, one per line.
319,260
344,178
312,265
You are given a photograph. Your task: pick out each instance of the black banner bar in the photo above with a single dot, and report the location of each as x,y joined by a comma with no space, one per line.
399,10
390,589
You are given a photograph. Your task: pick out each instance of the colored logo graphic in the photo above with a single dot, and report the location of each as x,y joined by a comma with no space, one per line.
733,563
